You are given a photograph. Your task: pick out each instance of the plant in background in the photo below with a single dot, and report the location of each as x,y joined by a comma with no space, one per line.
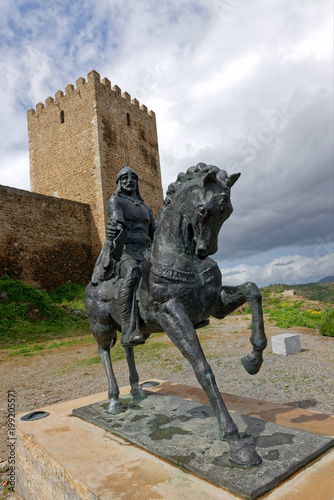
31,315
71,296
68,293
24,301
288,314
326,324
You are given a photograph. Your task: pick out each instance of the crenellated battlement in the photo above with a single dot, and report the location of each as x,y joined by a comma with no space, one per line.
93,81
82,136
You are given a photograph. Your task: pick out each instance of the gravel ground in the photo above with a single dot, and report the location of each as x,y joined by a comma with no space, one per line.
304,380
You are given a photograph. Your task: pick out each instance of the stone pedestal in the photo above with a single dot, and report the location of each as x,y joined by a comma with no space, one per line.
64,457
287,343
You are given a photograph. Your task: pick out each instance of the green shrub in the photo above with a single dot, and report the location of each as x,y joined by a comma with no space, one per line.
68,293
287,314
18,292
10,312
326,325
30,314
273,301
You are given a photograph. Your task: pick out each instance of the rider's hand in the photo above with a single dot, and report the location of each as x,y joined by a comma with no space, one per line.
112,230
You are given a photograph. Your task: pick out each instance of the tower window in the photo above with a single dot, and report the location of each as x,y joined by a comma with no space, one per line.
62,118
128,119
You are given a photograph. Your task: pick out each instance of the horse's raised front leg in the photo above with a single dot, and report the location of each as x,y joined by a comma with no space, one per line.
231,298
137,392
180,330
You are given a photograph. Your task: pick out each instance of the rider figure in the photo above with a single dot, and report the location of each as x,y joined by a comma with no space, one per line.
130,231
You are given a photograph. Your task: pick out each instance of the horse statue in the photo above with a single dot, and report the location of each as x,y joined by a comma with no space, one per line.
180,288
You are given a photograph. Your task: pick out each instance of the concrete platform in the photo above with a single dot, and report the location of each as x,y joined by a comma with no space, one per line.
64,457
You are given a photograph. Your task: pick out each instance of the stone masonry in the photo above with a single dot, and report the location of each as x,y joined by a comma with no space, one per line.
81,139
44,241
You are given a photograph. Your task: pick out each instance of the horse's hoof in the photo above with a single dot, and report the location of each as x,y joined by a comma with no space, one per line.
252,364
115,407
242,453
137,394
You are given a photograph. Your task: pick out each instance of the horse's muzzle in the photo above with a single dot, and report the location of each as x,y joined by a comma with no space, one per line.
201,253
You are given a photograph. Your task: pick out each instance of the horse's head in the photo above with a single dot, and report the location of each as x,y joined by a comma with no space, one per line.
207,206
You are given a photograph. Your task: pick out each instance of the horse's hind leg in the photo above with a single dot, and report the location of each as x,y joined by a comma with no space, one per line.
233,297
182,333
137,392
105,336
115,406
103,329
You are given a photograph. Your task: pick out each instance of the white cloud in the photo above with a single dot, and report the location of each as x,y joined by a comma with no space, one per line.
243,85
291,269
14,173
318,45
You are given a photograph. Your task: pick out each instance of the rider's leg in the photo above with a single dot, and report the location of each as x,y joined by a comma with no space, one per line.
131,273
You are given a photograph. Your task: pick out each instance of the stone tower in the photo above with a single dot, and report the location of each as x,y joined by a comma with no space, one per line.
79,141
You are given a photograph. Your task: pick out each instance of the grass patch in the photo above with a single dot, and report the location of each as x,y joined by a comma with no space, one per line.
175,368
16,293
34,316
68,293
89,362
326,325
27,350
288,314
151,348
34,349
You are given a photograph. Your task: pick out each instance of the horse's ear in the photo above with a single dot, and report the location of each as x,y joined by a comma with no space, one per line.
234,177
210,177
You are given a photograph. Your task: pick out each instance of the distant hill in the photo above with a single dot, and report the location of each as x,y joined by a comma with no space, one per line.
322,291
326,280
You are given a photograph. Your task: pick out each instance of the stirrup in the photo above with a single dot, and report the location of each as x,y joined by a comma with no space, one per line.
133,339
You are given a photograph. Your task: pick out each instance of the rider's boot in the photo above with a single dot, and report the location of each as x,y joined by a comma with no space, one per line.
131,335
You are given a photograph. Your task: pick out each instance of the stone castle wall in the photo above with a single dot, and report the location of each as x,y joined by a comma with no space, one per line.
81,139
44,241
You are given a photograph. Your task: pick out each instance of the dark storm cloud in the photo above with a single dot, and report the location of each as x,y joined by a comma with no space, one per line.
287,199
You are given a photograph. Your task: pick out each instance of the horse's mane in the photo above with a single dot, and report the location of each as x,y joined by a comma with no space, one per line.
183,180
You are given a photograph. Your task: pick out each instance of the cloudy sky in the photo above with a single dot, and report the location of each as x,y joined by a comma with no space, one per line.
246,86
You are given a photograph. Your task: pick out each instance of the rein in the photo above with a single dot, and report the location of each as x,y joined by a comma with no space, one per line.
172,274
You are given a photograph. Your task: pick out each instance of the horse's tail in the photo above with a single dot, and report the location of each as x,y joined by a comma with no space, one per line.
88,298
103,326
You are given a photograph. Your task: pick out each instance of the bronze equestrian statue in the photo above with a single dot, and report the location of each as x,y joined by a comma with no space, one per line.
175,287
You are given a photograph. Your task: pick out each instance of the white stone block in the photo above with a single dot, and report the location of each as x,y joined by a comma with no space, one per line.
287,343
